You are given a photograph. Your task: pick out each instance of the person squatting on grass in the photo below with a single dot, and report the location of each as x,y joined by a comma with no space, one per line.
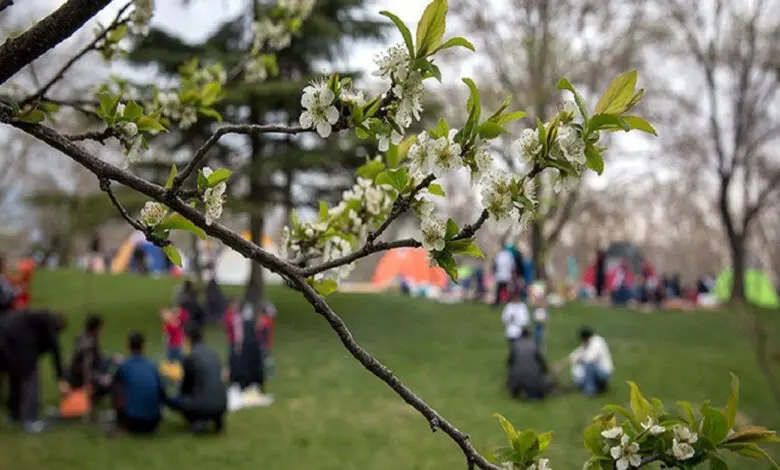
591,363
25,336
528,372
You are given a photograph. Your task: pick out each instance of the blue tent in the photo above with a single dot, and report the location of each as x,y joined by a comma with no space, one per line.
156,261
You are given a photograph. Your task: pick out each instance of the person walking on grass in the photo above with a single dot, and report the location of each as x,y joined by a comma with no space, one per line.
138,390
504,273
25,336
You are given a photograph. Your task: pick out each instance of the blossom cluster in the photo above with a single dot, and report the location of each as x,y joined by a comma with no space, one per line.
213,198
141,16
625,450
132,140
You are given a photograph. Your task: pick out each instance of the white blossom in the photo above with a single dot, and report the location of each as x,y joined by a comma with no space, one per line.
433,232
651,426
120,110
612,433
128,129
170,105
496,194
301,8
393,64
213,198
565,182
141,16
350,95
569,107
256,70
383,141
527,147
571,145
189,116
153,213
133,151
335,248
682,450
289,249
482,159
274,35
626,454
410,93
319,114
684,434
207,171
428,155
541,464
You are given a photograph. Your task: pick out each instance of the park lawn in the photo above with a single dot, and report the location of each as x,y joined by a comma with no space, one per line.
330,413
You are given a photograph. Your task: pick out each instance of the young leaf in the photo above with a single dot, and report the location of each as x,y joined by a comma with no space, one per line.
33,116
509,430
325,287
465,247
436,189
526,444
753,435
398,179
176,221
593,159
636,122
323,210
619,410
619,94
108,104
509,117
452,229
203,182
407,35
455,42
714,424
564,84
542,131
148,123
473,102
210,112
751,451
171,176
688,410
717,463
133,111
210,93
544,440
370,169
430,29
490,130
593,439
639,404
599,122
446,261
173,254
218,176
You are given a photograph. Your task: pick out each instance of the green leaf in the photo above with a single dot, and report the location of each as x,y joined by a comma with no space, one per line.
599,122
148,123
622,411
452,229
398,178
442,128
490,130
446,261
210,93
429,69
526,444
455,42
171,176
509,117
203,182
108,104
637,123
714,424
325,287
173,254
430,29
731,406
218,176
473,103
323,210
751,451
392,156
688,411
509,430
370,169
48,107
593,439
619,94
33,116
753,435
465,247
542,132
176,221
545,439
593,159
133,111
210,112
117,34
436,189
564,84
717,463
639,404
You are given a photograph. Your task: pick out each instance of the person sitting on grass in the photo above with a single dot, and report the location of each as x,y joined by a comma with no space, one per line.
88,366
139,394
203,397
591,363
528,371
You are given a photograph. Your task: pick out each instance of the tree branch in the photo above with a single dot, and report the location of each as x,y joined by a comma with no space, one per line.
400,205
763,197
98,136
245,129
91,46
105,186
5,4
368,361
16,53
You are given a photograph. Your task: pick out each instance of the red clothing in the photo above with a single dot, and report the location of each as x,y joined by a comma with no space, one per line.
174,329
231,320
266,332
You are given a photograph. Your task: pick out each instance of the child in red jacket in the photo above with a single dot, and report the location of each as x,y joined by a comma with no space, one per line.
174,322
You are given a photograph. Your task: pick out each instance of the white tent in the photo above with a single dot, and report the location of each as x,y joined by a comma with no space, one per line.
232,269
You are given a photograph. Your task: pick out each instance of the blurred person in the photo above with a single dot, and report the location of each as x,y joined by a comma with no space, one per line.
528,374
504,275
516,319
591,363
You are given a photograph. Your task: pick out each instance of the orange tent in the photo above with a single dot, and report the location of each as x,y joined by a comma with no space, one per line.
413,264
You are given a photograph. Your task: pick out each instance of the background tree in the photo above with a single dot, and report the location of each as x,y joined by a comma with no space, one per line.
729,106
525,45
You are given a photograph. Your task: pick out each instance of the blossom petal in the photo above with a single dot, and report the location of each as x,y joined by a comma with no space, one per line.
323,129
332,114
306,120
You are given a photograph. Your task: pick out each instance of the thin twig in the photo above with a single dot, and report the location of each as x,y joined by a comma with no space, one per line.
105,186
200,154
98,136
84,51
368,361
400,205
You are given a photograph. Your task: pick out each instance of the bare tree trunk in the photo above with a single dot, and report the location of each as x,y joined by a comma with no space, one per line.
737,248
253,292
197,268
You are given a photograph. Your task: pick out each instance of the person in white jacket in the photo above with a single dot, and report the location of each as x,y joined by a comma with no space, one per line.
515,318
591,363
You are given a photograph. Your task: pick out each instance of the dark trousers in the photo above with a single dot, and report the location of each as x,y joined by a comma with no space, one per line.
23,396
195,416
136,426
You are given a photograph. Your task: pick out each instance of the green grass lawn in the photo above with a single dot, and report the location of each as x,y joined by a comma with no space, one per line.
330,413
